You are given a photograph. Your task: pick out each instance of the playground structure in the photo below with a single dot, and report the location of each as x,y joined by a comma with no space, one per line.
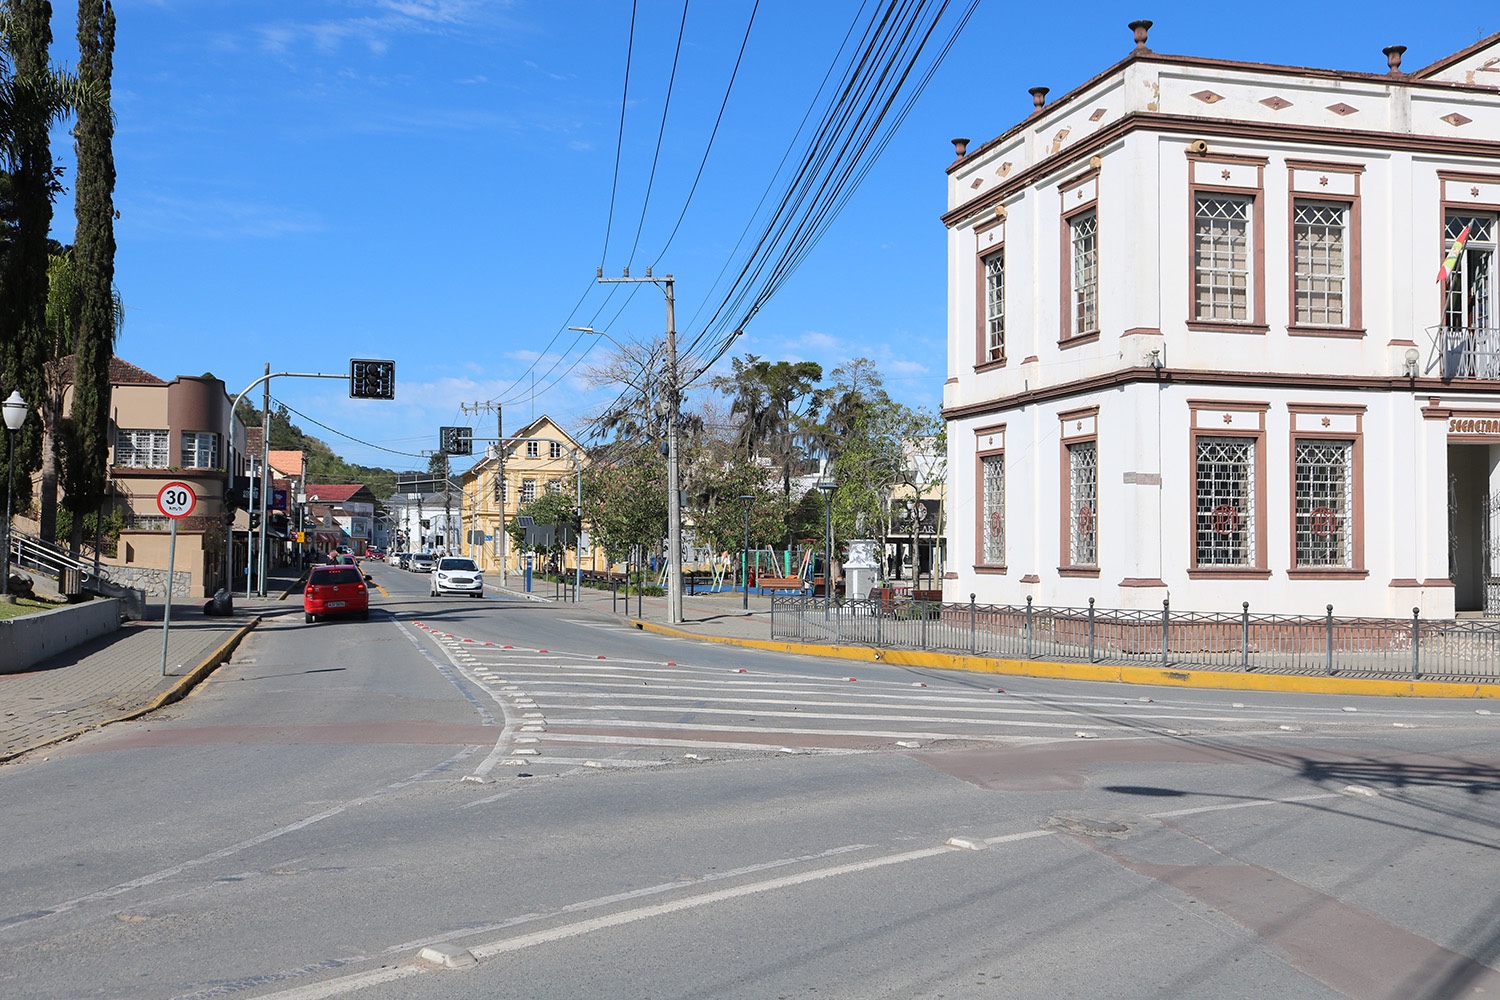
765,570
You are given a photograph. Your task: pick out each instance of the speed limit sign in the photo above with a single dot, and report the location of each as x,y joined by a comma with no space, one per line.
176,500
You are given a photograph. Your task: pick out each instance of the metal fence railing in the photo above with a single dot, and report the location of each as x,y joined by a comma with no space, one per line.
1434,649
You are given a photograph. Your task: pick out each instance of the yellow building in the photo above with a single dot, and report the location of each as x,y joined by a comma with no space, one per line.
540,457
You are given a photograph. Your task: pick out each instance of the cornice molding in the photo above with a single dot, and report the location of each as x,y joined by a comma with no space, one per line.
1279,132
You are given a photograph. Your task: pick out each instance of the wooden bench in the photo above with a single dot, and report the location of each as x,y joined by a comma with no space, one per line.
781,582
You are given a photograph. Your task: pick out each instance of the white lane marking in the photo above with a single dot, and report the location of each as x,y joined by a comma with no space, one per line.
349,984
554,722
244,845
501,747
1244,805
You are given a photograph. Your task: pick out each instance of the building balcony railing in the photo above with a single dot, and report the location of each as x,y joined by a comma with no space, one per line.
1467,352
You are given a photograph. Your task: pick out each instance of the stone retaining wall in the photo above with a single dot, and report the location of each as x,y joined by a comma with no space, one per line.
152,581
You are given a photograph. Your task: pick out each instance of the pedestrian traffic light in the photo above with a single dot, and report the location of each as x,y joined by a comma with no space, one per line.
456,440
372,379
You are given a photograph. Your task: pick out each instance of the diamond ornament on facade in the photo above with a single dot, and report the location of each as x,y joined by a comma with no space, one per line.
1276,103
1342,109
1456,120
1208,96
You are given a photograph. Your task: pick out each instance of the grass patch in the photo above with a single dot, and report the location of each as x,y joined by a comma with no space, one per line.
25,606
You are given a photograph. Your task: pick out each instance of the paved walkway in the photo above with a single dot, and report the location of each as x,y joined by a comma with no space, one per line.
119,676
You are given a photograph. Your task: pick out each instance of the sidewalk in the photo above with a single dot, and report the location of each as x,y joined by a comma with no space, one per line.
119,676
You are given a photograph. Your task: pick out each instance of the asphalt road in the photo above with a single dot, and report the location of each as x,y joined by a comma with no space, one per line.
586,810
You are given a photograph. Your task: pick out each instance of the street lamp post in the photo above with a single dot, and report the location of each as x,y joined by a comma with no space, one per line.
15,415
828,486
745,555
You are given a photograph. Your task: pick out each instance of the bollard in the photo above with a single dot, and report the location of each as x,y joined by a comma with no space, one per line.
1166,622
1245,636
1416,635
972,637
1028,626
614,595
1330,640
1092,658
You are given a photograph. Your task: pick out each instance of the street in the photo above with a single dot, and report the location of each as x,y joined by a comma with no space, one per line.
564,806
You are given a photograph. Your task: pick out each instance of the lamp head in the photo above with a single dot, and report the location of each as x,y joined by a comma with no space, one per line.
15,411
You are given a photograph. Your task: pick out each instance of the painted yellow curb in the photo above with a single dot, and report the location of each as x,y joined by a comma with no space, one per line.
191,679
1117,673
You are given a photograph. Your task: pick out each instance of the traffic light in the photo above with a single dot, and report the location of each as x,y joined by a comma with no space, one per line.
456,440
372,379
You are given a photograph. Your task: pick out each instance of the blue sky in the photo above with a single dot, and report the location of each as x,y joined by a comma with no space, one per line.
306,181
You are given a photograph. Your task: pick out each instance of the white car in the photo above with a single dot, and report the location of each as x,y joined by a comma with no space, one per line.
393,559
457,575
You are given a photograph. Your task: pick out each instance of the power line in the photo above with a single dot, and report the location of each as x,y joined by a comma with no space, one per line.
620,138
660,132
703,162
349,437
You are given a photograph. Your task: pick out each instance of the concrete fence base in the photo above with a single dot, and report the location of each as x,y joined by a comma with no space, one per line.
25,642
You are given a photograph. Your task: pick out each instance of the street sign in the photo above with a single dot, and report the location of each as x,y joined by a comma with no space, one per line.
176,500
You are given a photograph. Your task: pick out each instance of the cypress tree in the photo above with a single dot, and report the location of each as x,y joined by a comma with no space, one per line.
94,256
33,184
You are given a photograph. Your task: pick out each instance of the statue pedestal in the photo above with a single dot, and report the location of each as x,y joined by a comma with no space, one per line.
861,569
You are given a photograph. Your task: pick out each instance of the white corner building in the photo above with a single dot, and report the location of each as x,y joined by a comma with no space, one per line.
1198,350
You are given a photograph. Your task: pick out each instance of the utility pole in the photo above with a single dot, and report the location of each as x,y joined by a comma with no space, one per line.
674,495
500,491
265,481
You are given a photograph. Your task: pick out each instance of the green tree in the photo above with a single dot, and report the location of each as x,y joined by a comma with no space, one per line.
33,97
625,502
550,507
718,513
99,313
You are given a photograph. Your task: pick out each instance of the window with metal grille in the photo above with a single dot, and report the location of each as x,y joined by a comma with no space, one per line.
994,305
554,486
1325,503
1225,501
148,522
1083,492
1470,300
528,490
1221,254
554,449
1320,262
992,524
141,449
1083,231
200,450
531,449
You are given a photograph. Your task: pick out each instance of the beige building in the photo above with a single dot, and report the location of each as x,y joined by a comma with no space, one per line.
166,432
540,457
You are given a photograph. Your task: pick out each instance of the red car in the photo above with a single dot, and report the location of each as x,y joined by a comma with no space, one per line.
335,590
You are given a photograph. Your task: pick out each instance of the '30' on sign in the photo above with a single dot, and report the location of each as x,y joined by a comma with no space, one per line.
176,500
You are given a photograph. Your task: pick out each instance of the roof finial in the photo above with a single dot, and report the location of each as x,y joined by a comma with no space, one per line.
1393,55
1140,28
1038,98
960,147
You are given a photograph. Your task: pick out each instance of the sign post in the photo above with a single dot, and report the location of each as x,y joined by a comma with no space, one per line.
176,501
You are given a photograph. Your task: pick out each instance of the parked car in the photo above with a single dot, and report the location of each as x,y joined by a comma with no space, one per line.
456,575
335,590
404,560
394,559
420,562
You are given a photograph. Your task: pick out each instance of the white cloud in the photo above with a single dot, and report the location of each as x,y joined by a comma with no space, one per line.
214,218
